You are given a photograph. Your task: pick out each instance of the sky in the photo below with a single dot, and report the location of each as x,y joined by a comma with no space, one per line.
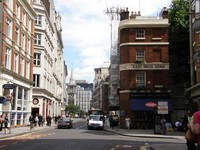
86,31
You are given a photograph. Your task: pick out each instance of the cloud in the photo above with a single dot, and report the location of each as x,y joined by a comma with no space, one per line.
86,30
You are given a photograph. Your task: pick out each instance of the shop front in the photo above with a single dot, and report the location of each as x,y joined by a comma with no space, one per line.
148,110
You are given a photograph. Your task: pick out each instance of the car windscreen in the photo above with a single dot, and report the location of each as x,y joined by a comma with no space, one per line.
64,119
96,117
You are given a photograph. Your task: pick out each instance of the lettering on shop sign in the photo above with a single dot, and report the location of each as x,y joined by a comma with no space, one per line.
144,66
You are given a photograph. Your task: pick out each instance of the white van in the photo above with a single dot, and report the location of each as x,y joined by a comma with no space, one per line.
95,122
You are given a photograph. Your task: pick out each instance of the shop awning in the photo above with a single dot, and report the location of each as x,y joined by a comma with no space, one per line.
140,104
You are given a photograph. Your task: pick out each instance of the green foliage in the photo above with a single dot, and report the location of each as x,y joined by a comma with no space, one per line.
72,109
179,40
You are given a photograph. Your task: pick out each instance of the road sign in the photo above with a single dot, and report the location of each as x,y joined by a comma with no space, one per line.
163,107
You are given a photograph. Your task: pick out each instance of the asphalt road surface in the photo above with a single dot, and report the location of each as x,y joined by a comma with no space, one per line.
77,138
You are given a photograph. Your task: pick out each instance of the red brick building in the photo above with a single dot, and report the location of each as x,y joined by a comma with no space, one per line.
144,68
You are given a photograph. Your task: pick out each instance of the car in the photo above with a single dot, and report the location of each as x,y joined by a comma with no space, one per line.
65,122
95,122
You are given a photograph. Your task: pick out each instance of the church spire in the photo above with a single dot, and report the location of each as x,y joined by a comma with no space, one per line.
71,80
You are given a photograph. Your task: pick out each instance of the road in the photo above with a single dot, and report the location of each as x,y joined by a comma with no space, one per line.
78,138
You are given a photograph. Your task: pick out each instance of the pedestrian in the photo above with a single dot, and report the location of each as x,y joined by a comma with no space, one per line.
40,120
36,120
178,125
49,120
187,121
6,121
116,122
128,123
1,122
163,126
31,120
196,124
111,121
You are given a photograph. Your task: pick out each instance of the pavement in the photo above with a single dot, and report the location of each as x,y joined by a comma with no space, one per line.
131,133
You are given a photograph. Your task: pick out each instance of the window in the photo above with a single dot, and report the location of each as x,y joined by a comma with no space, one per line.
29,46
22,66
36,80
140,55
8,27
23,41
8,58
18,11
38,20
196,6
9,4
29,24
140,34
27,69
17,35
20,91
16,63
24,18
36,59
37,40
140,79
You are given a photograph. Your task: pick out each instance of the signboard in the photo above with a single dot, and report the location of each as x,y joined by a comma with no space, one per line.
8,86
35,101
150,104
163,107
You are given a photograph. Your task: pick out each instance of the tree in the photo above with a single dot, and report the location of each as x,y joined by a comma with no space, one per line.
179,52
72,109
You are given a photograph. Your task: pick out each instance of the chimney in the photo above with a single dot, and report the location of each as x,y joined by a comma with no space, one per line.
124,14
164,13
133,15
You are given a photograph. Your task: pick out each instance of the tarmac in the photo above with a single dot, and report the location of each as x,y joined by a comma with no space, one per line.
14,131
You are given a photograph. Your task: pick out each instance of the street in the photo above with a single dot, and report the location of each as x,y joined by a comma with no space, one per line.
78,138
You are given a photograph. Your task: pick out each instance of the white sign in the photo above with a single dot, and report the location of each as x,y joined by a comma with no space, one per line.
144,66
163,107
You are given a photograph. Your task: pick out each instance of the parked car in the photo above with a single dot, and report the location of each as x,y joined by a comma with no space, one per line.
65,122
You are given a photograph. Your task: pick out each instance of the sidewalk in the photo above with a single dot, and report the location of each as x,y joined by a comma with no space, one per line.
22,130
150,134
147,133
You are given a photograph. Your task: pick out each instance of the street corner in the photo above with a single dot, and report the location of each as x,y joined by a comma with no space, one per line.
126,147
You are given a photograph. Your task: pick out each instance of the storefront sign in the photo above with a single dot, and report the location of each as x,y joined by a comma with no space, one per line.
35,101
163,107
150,66
150,104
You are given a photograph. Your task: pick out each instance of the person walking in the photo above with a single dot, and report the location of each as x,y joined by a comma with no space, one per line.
196,124
128,123
40,122
6,121
31,120
163,126
1,122
187,121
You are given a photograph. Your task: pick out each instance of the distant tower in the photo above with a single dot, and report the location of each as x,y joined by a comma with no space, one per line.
72,89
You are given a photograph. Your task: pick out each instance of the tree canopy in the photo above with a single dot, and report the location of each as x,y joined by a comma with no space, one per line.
179,41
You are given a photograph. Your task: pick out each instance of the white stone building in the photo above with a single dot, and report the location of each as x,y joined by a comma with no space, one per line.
49,71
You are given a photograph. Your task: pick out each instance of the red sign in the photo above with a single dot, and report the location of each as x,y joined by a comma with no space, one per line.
151,104
35,101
